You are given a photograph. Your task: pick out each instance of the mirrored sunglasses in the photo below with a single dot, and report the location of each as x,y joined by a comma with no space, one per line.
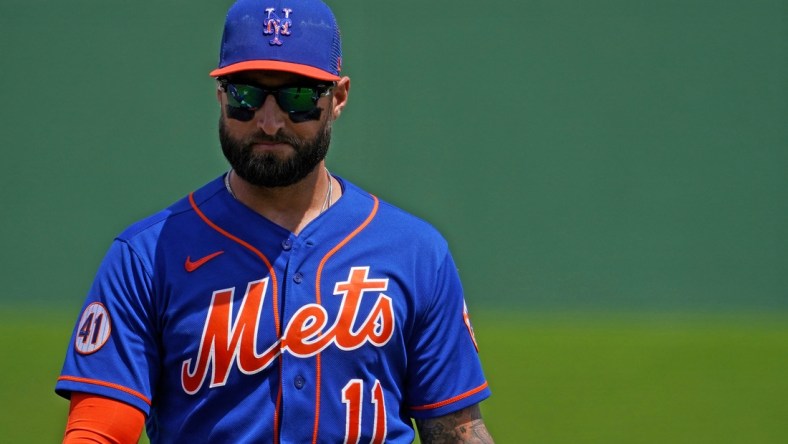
291,99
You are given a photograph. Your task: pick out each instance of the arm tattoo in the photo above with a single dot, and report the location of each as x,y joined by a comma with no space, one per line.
464,426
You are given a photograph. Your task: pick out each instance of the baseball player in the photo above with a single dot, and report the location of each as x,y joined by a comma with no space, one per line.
279,302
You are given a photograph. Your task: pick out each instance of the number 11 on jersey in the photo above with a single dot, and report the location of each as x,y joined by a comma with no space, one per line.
353,398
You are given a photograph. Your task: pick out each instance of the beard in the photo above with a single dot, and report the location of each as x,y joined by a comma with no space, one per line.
268,169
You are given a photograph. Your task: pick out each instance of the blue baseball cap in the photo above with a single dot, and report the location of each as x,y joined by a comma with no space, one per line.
298,36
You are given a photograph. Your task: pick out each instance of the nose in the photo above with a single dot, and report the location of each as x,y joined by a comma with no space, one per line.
270,118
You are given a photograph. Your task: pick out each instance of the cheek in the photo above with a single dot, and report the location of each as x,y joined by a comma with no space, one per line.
307,131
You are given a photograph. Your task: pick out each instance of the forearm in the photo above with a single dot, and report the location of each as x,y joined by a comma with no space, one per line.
464,426
98,420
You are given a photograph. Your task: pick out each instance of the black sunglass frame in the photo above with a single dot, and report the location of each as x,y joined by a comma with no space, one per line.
320,89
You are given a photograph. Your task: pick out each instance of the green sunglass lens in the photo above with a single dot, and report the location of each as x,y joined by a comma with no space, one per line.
297,99
291,99
245,96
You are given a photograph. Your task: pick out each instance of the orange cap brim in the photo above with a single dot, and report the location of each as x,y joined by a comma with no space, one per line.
274,65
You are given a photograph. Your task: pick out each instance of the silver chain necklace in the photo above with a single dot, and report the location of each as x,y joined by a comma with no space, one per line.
326,203
227,184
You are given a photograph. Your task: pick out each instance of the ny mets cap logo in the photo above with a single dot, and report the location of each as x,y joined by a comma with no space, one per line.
276,26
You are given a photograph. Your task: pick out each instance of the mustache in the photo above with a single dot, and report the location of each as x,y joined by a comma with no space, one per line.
279,137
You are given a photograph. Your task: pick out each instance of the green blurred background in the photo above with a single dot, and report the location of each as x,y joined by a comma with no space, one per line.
611,176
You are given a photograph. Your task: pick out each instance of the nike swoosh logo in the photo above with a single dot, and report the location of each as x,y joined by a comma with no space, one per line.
191,266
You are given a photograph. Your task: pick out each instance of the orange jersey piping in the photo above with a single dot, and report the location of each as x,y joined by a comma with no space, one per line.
451,400
106,384
275,296
325,259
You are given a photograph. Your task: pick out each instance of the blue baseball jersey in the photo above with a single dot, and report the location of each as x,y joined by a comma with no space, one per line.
224,327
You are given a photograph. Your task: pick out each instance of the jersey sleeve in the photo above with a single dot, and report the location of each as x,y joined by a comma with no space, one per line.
113,351
444,369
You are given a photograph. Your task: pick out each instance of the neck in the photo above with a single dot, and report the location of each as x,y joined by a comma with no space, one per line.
291,207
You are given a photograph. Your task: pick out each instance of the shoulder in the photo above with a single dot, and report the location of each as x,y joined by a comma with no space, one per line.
396,223
152,224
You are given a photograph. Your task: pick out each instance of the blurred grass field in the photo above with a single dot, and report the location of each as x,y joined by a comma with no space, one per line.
556,378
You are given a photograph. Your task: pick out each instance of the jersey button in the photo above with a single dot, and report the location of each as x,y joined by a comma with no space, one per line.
298,277
299,382
287,244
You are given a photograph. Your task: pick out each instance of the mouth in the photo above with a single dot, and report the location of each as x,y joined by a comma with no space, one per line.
270,146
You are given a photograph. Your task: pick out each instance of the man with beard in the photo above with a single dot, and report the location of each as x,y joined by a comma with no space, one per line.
279,302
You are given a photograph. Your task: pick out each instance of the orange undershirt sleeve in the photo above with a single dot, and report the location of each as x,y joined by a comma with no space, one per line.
95,419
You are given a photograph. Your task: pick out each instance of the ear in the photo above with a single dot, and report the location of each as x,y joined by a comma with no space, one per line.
340,95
